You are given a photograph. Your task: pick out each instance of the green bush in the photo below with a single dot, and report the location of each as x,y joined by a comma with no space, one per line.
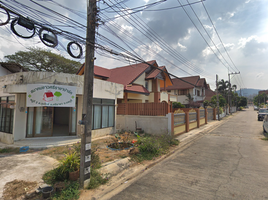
70,163
177,105
220,110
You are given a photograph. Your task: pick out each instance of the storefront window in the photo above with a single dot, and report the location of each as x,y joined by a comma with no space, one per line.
7,114
103,113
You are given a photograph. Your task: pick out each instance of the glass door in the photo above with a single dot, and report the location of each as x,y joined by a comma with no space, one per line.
39,121
43,125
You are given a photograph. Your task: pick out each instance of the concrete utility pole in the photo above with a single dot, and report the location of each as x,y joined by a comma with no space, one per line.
217,93
229,96
85,157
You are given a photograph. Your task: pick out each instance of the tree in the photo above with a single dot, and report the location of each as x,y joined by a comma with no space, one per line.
222,101
37,59
243,102
223,88
260,98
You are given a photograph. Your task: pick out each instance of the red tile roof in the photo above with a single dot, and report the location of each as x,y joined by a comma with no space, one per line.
98,71
155,73
128,74
187,83
137,89
209,93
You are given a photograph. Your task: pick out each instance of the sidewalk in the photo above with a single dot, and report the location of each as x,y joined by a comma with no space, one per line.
46,142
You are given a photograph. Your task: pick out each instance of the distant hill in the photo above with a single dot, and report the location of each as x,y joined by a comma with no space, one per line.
248,92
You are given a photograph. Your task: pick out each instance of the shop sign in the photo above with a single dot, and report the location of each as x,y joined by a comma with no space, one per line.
49,95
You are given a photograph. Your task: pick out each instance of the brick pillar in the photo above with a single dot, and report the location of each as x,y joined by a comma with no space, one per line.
172,124
214,113
206,116
157,97
126,105
187,121
198,117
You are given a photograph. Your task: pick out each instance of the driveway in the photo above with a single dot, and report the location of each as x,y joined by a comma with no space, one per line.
27,167
229,162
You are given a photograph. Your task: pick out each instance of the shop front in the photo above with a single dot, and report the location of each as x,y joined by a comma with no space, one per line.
32,105
51,110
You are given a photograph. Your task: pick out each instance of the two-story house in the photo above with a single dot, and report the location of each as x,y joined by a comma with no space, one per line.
193,85
142,82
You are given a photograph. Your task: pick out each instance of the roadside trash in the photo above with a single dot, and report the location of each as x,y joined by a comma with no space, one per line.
24,149
133,141
47,191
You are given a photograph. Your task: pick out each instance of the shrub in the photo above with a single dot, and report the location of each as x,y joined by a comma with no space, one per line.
177,105
220,110
71,162
55,175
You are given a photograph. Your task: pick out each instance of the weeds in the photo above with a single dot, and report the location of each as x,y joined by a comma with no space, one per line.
10,150
70,192
153,146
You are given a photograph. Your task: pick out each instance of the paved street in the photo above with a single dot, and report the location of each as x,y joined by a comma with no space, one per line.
230,162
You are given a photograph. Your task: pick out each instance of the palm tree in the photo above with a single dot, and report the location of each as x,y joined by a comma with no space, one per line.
223,88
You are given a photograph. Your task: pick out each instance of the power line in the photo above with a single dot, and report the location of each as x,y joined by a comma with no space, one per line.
150,34
201,34
209,35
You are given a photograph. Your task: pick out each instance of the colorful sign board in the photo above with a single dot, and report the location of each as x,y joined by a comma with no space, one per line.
50,95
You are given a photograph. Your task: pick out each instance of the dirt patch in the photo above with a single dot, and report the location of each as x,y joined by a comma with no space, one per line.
17,189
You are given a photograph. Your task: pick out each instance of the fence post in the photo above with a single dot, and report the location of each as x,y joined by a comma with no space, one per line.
187,121
214,113
198,117
206,115
172,123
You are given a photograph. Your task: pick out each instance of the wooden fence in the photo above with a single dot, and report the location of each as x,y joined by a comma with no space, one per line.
149,109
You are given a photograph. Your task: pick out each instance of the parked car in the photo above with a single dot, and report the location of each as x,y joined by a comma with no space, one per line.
256,108
261,114
265,124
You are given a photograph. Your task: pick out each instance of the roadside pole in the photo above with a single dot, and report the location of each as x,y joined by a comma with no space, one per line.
85,157
229,96
217,93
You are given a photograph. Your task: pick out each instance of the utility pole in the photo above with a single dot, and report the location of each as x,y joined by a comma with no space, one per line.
85,157
229,96
217,93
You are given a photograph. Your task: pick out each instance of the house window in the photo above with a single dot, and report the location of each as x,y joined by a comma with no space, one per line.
198,92
103,113
168,90
7,114
183,92
146,85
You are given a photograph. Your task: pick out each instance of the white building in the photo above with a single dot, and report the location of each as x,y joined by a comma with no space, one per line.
46,104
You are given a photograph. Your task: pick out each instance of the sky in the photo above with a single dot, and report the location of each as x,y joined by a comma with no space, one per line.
181,38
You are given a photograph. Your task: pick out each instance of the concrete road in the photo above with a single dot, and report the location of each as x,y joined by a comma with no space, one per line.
230,162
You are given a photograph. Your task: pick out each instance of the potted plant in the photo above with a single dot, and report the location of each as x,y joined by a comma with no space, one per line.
71,164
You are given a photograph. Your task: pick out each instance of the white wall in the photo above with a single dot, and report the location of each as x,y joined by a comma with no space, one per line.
150,124
4,71
20,117
140,80
164,96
